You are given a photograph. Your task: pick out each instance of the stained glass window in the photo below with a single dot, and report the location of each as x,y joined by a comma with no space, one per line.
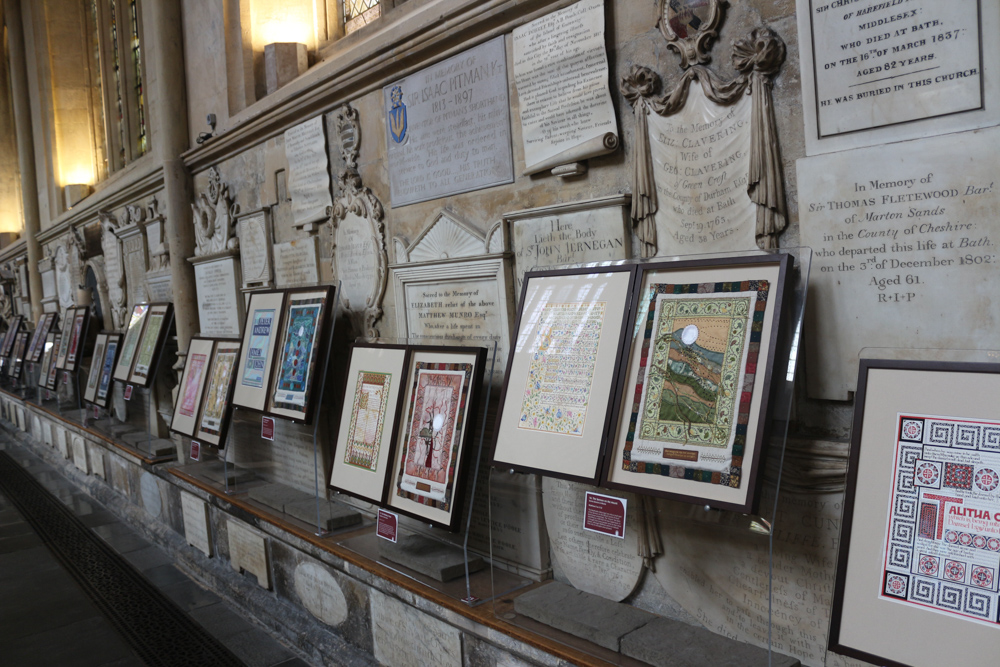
358,13
140,101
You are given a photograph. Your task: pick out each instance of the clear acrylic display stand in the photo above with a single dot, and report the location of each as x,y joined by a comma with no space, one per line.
272,475
473,585
656,512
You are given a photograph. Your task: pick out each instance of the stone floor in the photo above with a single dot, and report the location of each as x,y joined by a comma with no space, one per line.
46,618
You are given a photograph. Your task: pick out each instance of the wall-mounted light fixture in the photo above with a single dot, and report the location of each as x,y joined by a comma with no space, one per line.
74,193
284,61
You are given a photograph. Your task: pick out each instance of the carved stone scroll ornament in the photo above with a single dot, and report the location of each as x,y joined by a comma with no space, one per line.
213,218
757,59
358,239
114,271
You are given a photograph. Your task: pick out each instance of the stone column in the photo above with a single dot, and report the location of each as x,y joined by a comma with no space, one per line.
168,115
25,149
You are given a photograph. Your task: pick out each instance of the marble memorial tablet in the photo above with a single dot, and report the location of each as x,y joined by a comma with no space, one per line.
220,304
297,262
448,127
248,552
308,171
196,526
255,249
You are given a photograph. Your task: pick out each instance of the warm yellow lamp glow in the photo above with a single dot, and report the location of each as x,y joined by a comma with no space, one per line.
76,173
278,21
276,31
10,223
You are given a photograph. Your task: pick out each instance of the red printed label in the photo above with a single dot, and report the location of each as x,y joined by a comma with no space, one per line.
128,392
65,377
195,450
267,428
387,524
605,514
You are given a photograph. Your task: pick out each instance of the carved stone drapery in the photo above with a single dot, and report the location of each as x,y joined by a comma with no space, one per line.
114,272
358,239
757,59
213,218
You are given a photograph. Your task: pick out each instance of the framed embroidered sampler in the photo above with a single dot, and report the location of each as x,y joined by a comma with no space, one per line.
197,366
368,421
68,326
45,324
260,336
560,380
96,362
133,332
307,321
48,359
104,364
48,376
695,384
436,432
159,321
77,338
213,423
919,558
12,331
17,354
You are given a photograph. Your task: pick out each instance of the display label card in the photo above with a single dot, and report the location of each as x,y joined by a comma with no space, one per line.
388,524
604,514
195,450
128,392
267,428
65,377
96,412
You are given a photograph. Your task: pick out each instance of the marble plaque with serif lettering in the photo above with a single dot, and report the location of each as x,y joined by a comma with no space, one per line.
448,126
220,305
196,528
309,174
248,552
297,262
904,251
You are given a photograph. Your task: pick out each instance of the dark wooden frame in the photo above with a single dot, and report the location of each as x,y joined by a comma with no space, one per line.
468,438
396,422
612,399
111,378
322,343
227,416
180,385
50,380
161,339
847,520
8,340
752,471
37,344
277,328
142,330
73,366
95,367
16,363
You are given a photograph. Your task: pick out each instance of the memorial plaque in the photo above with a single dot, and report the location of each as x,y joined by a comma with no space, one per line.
448,127
701,165
359,260
594,563
196,528
150,492
255,249
719,575
320,593
578,233
220,304
97,462
308,171
904,251
406,637
561,72
869,69
297,262
248,552
80,454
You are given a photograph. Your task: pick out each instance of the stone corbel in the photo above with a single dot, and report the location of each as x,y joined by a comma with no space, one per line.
758,58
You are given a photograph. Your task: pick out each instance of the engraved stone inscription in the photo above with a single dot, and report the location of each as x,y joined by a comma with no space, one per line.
309,175
701,162
448,127
561,71
900,238
883,63
196,523
296,262
357,260
220,304
598,564
255,261
248,551
406,637
320,593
